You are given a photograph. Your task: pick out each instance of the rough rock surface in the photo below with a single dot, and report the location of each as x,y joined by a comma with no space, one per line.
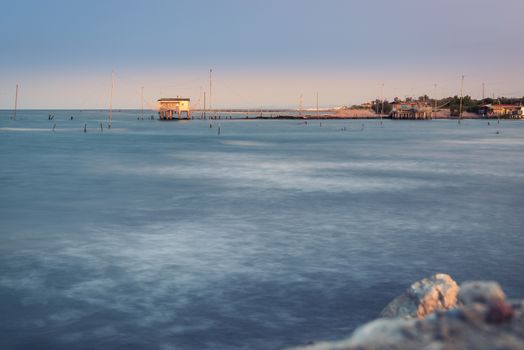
439,292
480,292
482,320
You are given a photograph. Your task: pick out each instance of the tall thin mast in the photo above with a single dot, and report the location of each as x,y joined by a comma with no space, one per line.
210,90
381,100
204,105
483,109
142,100
435,100
111,99
461,96
317,104
200,97
16,102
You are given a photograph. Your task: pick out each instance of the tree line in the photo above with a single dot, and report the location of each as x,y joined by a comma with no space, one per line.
469,104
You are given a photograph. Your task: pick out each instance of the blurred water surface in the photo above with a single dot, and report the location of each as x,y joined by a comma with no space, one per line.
166,235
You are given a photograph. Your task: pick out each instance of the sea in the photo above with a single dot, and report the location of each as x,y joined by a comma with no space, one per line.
267,235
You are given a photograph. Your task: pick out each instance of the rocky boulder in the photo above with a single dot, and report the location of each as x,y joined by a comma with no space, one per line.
490,294
439,292
483,320
483,292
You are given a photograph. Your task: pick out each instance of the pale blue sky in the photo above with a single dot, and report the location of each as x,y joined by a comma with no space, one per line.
264,53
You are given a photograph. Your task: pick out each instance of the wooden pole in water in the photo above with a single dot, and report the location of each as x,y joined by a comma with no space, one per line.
210,90
16,102
142,100
111,99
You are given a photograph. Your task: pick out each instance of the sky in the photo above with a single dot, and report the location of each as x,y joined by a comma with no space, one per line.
263,53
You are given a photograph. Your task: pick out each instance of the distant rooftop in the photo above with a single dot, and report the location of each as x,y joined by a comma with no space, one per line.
172,99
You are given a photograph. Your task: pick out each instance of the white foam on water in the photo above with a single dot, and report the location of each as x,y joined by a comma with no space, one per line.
487,141
262,171
255,170
247,143
25,129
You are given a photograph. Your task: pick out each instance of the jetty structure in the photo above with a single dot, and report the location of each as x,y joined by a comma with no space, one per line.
411,110
110,123
168,107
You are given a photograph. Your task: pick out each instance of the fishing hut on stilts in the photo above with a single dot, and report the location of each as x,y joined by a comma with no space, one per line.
173,108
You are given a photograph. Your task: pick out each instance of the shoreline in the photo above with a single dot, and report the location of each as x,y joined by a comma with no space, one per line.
236,115
374,117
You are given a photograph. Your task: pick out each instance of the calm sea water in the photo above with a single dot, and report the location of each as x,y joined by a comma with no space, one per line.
165,235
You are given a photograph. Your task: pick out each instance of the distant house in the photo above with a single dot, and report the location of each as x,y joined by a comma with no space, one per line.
168,107
502,111
411,110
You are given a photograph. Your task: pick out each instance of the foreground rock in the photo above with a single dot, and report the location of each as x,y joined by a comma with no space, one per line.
484,292
439,292
480,319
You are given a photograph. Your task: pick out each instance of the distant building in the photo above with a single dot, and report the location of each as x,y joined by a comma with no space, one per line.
502,111
168,107
411,110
